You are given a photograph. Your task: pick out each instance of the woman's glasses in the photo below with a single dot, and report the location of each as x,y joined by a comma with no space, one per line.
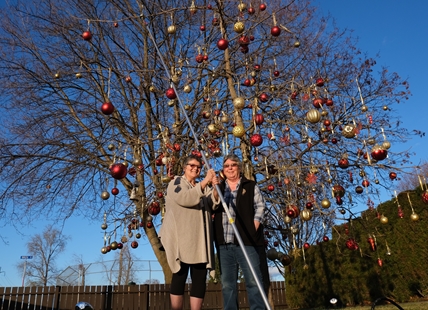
231,165
194,166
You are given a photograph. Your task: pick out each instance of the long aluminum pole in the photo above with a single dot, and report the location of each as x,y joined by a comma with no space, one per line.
225,207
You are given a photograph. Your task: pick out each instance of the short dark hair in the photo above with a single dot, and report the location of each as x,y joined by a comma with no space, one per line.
234,158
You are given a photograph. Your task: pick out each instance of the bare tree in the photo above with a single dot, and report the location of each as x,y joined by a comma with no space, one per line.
101,99
416,177
45,248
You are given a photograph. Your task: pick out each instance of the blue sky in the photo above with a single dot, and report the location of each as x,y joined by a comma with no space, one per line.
396,29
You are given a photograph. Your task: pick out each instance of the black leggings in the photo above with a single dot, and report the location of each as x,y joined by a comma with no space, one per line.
198,274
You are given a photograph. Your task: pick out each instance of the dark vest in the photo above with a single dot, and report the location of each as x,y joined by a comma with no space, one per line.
244,216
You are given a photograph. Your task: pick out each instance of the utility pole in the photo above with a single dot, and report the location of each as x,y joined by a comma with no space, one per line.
25,267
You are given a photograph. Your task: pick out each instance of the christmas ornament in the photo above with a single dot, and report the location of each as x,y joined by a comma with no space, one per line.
105,195
325,203
170,93
222,44
239,27
349,131
383,219
259,119
239,103
352,244
256,140
306,215
378,153
134,244
107,108
238,131
425,196
115,191
313,116
275,31
87,35
118,171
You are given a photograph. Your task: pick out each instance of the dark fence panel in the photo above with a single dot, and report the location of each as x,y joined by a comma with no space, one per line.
120,297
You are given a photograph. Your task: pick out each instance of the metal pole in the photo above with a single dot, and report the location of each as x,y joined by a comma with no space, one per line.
23,274
225,207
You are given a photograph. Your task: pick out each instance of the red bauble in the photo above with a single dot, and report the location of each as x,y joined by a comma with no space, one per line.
118,171
115,191
244,40
160,195
334,140
149,224
338,190
379,154
222,44
275,31
343,163
276,73
365,183
271,188
199,58
309,205
154,208
215,21
425,196
170,93
306,246
329,102
256,140
259,119
120,245
318,102
392,175
262,7
87,35
325,238
244,49
264,97
107,108
251,10
319,82
352,244
202,28
134,244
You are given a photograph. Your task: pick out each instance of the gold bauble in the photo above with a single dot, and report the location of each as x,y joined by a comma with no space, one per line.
186,107
414,217
324,113
238,131
172,29
57,75
175,79
78,75
113,245
137,161
104,226
287,219
166,179
105,195
242,6
125,163
239,27
325,203
111,147
212,128
364,108
171,103
239,103
313,116
371,141
187,88
306,215
224,118
152,88
296,44
349,131
384,219
386,145
104,250
385,108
